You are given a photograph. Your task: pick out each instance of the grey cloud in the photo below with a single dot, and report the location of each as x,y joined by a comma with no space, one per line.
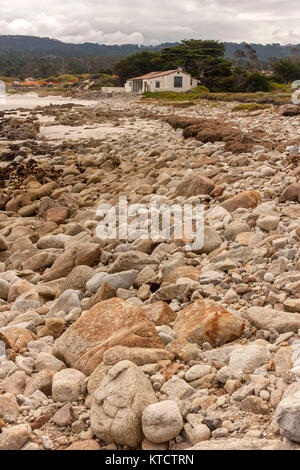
119,21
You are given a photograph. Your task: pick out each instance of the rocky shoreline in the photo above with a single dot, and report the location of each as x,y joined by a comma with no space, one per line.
140,344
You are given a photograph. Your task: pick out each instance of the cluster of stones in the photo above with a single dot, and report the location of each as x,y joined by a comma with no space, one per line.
113,344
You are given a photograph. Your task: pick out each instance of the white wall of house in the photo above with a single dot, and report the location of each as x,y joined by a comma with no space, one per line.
166,83
111,89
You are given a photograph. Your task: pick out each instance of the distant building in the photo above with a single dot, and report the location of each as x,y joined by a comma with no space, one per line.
170,80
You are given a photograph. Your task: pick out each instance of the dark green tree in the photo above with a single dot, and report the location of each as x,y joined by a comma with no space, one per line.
135,65
286,69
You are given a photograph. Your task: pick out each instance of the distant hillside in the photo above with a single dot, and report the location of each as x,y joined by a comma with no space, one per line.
41,47
264,52
44,47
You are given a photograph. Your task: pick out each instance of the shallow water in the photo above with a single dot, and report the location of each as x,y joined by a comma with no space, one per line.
31,100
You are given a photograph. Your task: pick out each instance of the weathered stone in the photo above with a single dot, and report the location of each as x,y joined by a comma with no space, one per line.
265,318
9,408
200,323
107,324
183,272
193,185
65,416
160,313
44,360
119,280
177,388
41,381
16,338
162,421
4,289
247,200
211,241
15,437
68,385
57,214
116,413
138,356
283,364
248,358
78,278
3,244
241,444
288,413
197,372
131,260
89,444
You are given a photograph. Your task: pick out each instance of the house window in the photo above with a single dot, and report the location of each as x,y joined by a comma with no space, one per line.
177,82
157,84
191,81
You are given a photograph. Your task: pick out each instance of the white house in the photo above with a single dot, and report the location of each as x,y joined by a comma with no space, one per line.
170,80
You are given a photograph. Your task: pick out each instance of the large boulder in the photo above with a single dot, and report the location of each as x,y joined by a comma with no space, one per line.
116,412
288,413
265,318
200,323
113,322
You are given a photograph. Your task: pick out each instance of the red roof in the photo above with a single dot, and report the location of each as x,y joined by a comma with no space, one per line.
157,74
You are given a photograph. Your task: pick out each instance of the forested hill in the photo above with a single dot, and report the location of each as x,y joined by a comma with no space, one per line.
41,47
46,46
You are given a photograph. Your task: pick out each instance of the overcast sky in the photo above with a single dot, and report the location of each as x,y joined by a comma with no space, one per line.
153,21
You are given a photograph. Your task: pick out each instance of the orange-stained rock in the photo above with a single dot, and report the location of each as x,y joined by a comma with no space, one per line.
247,200
181,272
89,444
57,214
159,313
16,338
199,323
110,323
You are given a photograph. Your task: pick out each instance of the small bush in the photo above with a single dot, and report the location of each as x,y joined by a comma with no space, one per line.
250,107
279,87
66,78
194,94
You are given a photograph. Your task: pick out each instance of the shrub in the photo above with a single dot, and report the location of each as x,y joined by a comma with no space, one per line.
250,107
66,78
280,87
